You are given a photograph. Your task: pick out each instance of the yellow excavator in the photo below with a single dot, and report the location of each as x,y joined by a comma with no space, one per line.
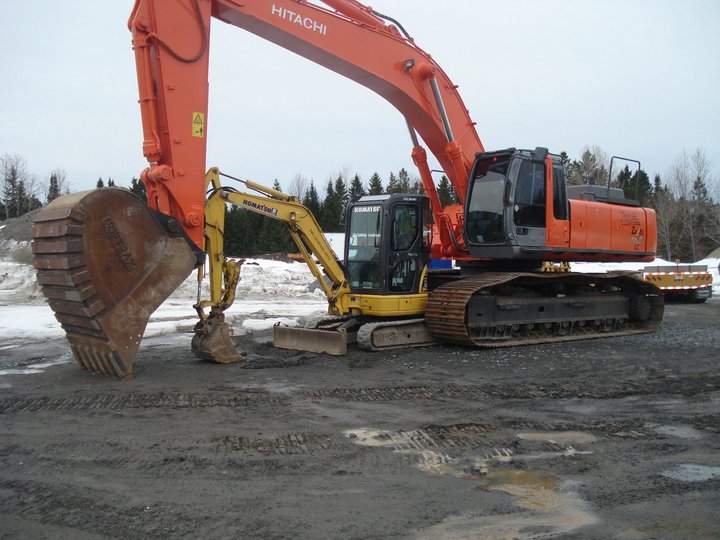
386,236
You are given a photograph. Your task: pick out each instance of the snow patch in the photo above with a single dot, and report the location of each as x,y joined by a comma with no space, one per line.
269,292
31,369
255,325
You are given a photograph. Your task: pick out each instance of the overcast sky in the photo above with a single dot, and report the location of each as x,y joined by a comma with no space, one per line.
638,78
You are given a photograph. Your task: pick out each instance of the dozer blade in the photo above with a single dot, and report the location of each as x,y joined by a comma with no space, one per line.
105,262
212,341
311,340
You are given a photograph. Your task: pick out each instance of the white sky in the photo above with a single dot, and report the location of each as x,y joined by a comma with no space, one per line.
638,78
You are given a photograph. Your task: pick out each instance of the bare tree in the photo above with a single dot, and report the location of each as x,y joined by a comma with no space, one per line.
33,191
706,196
669,224
690,184
298,186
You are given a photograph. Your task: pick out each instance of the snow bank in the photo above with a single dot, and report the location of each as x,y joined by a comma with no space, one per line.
713,265
17,280
268,292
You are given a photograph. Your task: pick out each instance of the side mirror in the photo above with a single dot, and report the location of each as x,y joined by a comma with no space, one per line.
539,155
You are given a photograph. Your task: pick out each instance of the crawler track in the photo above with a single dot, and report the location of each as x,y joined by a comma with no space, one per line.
508,309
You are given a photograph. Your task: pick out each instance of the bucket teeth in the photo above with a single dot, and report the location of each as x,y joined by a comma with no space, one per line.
105,263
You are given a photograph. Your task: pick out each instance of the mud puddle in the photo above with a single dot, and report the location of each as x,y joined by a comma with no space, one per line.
545,505
689,472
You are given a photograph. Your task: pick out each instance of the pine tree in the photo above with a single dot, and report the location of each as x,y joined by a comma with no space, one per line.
393,185
53,191
417,186
565,160
445,192
111,182
357,189
590,170
100,183
13,169
331,213
138,188
341,191
623,180
403,181
14,191
641,188
375,187
312,200
657,186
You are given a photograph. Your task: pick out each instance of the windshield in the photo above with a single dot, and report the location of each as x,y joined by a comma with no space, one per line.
363,255
484,219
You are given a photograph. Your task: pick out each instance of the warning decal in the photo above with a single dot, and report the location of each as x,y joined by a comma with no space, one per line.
198,124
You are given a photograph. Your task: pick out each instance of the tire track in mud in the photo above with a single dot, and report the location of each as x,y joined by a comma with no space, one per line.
687,385
658,489
214,451
710,422
64,506
140,401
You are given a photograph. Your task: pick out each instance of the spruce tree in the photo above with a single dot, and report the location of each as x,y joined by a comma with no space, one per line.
357,189
375,186
445,192
53,188
312,200
100,183
403,181
341,190
138,188
393,185
331,209
641,188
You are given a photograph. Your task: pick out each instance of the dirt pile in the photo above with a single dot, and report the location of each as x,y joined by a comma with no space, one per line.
15,238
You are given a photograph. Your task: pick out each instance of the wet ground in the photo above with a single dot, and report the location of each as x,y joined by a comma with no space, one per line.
614,438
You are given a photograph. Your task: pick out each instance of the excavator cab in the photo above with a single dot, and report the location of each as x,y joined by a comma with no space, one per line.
387,243
517,203
519,211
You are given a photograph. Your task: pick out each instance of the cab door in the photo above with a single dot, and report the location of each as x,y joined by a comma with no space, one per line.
557,213
529,214
408,244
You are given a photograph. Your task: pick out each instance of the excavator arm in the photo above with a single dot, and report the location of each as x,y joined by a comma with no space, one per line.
171,43
300,223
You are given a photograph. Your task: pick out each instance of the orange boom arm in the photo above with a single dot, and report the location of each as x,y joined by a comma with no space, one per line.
171,42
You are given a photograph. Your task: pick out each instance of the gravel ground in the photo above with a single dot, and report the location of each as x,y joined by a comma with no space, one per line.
613,438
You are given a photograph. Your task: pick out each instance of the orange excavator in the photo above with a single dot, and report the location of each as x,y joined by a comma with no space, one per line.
106,260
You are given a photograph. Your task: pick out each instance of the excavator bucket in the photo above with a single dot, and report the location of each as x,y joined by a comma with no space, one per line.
105,262
212,341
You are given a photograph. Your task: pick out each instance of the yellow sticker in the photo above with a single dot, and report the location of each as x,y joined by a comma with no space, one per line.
198,124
